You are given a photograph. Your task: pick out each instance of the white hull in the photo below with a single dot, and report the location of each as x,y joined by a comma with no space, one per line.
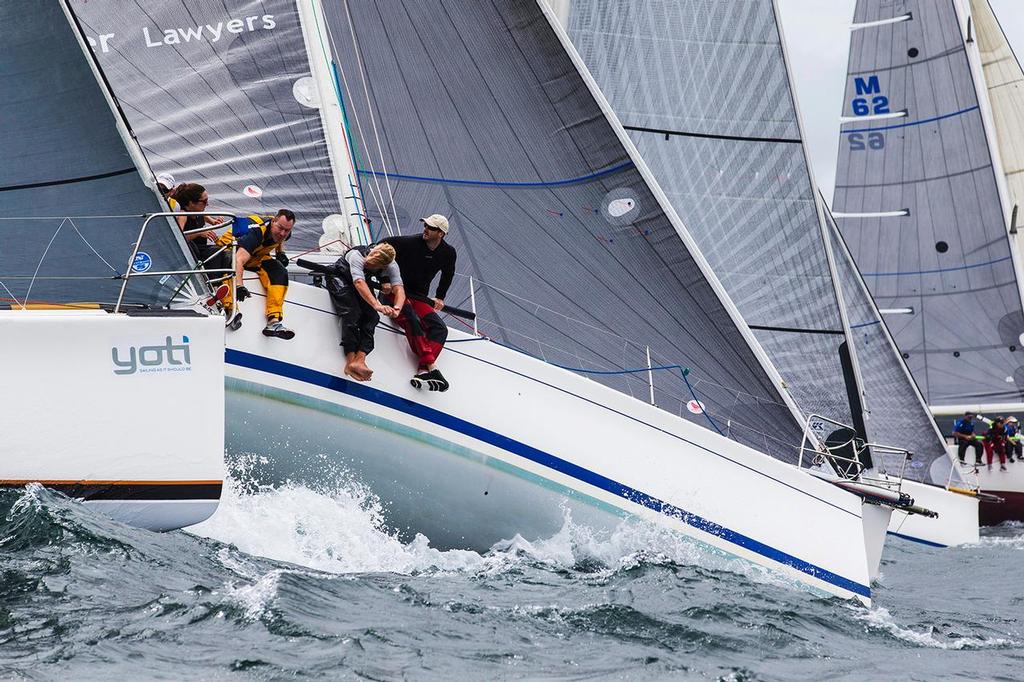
956,524
517,441
124,412
1007,485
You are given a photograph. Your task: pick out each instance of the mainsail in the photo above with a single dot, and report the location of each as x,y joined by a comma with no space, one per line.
731,160
221,93
570,254
918,201
72,194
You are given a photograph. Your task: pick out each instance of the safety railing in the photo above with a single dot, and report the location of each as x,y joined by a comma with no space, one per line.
848,457
227,273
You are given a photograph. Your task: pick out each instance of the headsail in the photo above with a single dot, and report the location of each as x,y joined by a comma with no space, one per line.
732,161
71,193
1004,81
918,203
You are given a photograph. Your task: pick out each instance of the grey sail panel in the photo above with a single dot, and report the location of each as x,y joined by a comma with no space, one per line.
67,174
730,160
948,257
898,415
483,116
220,93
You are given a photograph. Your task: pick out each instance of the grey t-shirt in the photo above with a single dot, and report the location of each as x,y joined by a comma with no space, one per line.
356,266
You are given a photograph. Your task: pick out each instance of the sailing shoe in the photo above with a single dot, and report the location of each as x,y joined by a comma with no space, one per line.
436,381
275,328
420,380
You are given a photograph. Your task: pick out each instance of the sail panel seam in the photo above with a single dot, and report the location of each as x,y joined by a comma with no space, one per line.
69,181
712,136
508,184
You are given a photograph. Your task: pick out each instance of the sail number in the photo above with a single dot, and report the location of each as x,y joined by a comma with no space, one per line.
869,100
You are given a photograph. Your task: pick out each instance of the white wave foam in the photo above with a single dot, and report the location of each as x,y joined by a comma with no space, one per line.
878,618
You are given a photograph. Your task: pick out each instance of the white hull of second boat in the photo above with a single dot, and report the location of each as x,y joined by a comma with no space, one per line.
1006,485
955,525
124,412
516,444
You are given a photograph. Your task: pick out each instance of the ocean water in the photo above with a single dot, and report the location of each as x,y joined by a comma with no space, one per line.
294,583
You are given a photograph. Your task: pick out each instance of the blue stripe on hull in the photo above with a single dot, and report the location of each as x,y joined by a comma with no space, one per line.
917,540
414,409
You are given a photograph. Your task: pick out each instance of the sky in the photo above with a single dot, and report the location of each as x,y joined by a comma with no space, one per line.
817,35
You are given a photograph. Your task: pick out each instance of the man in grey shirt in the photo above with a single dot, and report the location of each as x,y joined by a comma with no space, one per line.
355,303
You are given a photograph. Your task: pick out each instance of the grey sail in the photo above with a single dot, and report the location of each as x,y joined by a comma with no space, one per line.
71,195
917,202
480,114
731,160
221,93
483,116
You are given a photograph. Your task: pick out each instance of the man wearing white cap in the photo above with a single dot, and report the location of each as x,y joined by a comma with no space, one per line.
420,258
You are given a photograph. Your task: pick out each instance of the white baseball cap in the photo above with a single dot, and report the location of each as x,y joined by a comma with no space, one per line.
166,179
437,220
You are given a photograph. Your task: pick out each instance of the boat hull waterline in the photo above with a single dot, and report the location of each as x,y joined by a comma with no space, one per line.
515,443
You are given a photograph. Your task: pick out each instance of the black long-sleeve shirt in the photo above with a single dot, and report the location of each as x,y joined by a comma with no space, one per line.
419,265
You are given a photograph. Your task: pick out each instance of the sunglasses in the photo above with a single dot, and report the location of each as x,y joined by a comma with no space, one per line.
431,228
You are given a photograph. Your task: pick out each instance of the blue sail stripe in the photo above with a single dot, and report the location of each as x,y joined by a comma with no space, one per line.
912,123
937,270
508,185
415,409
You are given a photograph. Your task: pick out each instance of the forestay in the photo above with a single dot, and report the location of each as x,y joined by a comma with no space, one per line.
71,196
220,92
928,229
483,116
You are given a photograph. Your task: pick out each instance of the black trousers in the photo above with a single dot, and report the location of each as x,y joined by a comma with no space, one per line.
961,448
358,319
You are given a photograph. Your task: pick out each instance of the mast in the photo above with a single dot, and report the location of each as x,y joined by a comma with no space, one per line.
329,93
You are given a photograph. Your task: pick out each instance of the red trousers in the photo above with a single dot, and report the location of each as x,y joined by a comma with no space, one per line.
997,446
424,329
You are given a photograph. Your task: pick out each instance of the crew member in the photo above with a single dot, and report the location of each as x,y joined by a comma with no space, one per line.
420,258
1013,439
261,250
193,198
963,433
995,442
358,308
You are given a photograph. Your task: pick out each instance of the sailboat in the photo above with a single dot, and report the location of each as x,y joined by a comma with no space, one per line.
928,185
584,281
733,163
98,371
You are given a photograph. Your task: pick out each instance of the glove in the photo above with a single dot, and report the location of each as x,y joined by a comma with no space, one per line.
241,293
282,258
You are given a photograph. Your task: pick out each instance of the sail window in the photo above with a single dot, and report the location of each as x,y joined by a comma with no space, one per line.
620,206
304,92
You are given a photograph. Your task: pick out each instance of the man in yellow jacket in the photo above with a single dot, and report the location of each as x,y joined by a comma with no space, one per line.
261,250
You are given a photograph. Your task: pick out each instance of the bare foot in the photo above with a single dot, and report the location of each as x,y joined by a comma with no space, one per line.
358,371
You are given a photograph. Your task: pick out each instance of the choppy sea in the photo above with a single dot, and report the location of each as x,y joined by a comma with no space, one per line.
294,583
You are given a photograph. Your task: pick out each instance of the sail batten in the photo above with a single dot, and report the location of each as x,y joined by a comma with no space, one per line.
949,258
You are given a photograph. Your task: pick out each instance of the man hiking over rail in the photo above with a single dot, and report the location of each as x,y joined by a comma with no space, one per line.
420,258
356,305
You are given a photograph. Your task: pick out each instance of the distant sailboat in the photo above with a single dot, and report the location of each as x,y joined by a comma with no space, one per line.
927,186
733,164
485,114
97,372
